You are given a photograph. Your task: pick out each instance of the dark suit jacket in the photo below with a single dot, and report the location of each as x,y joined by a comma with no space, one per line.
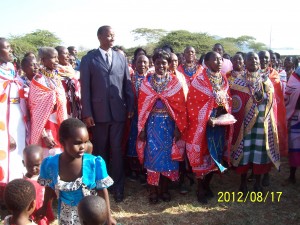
106,93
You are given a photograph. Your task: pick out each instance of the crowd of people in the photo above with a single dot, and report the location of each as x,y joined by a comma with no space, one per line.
72,129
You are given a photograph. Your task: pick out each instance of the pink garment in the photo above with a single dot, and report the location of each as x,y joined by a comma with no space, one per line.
226,66
39,202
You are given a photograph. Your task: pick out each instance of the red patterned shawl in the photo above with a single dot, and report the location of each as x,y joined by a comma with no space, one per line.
188,78
246,112
173,98
281,114
200,103
41,104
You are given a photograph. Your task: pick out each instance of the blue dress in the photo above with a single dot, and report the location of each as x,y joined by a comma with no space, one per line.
160,134
94,177
216,142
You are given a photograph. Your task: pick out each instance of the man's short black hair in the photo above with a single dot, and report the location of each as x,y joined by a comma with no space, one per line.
102,29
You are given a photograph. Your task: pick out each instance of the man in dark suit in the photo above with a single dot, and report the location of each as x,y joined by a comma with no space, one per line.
107,100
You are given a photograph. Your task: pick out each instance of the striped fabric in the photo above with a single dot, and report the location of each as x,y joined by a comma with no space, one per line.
254,142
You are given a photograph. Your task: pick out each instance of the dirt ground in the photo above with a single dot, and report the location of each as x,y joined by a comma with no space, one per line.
185,210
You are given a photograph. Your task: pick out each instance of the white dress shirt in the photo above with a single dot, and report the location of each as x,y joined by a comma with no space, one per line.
103,53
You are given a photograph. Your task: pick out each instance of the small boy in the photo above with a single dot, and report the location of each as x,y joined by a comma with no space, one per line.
92,210
33,157
19,198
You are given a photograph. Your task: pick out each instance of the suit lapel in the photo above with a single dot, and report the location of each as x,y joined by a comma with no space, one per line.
114,60
99,58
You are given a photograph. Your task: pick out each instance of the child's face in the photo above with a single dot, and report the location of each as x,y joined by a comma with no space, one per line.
32,162
76,145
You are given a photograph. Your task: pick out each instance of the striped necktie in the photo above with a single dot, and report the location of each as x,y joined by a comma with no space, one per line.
107,60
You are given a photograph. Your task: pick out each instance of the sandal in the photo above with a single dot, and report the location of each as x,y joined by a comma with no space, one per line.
153,197
166,197
201,198
209,193
266,180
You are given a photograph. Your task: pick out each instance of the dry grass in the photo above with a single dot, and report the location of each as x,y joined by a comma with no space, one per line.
184,209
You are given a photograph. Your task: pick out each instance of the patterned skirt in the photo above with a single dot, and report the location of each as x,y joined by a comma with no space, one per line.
254,151
215,137
160,133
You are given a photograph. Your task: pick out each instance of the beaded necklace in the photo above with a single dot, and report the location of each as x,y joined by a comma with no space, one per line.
6,70
51,78
190,70
289,73
4,66
137,81
254,81
215,79
217,82
159,83
234,74
26,80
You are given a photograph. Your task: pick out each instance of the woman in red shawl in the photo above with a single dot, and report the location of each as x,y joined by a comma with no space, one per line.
70,82
13,119
191,68
47,103
207,100
161,121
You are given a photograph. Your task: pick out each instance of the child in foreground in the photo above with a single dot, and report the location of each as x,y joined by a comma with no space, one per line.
92,210
32,160
73,174
19,198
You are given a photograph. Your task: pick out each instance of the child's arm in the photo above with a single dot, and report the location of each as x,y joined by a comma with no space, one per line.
48,196
104,194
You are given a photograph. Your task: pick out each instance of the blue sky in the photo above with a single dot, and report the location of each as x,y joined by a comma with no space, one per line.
76,21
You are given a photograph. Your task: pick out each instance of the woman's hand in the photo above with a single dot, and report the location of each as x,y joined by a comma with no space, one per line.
177,134
142,135
40,213
89,121
12,143
211,121
49,141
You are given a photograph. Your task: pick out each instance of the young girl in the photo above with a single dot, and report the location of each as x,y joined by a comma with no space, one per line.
73,174
32,160
19,198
